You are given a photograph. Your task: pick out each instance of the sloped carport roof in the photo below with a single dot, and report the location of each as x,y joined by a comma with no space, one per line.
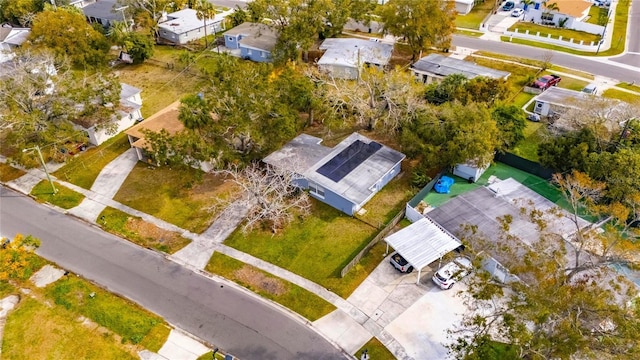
422,243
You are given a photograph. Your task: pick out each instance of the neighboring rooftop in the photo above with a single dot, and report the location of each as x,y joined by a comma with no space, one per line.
484,205
351,52
128,91
185,20
255,35
575,8
103,9
166,119
444,66
559,96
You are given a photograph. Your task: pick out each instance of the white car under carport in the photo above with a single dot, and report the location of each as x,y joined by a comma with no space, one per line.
422,243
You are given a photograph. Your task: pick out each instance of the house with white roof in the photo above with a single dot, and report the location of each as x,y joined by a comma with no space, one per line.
183,26
344,57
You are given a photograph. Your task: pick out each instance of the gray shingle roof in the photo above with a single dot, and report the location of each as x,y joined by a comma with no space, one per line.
444,66
345,51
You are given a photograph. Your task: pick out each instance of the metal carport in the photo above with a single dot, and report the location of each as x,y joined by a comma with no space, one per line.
422,243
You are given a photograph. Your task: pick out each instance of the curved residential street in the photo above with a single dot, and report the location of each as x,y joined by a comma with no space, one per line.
593,65
233,319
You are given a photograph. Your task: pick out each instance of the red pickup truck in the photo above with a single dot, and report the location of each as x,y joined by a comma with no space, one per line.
547,81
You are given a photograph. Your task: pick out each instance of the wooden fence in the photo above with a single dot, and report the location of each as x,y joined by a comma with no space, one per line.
374,241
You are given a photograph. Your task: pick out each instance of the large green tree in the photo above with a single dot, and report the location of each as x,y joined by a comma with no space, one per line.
511,121
65,31
422,24
458,87
20,12
42,103
299,23
452,134
247,111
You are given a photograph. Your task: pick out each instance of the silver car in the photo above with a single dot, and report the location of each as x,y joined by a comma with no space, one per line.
400,263
452,272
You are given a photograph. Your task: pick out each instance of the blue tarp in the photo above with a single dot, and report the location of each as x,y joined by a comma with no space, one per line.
443,185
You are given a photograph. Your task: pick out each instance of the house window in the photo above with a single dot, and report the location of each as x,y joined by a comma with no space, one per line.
316,190
546,17
263,54
248,51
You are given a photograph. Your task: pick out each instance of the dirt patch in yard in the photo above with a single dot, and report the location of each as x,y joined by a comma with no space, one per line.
152,236
258,280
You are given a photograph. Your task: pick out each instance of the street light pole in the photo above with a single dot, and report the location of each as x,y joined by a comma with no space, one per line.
44,166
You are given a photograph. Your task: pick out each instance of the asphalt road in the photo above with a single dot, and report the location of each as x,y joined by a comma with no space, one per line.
225,316
633,34
571,61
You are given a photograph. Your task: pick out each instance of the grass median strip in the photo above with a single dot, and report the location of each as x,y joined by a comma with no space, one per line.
621,95
8,172
119,315
37,331
141,232
64,197
376,350
289,295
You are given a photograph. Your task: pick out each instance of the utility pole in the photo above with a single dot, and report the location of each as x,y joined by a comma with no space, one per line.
44,166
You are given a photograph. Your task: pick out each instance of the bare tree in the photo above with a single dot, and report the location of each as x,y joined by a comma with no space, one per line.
270,194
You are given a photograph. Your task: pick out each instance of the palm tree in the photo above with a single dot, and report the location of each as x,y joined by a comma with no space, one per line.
118,33
205,10
527,3
551,6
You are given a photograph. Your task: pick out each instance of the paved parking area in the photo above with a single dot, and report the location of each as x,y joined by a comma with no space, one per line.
417,316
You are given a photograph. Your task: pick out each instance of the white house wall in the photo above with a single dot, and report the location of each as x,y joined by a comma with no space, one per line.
97,137
339,71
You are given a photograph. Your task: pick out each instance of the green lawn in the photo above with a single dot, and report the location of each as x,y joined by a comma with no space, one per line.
470,33
556,33
629,86
473,19
528,147
388,202
37,331
141,232
376,350
621,95
316,247
579,73
598,15
571,83
522,99
161,80
121,316
83,169
525,61
289,295
520,75
185,197
64,197
8,172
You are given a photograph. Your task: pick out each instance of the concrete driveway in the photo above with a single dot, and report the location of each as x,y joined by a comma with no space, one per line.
417,316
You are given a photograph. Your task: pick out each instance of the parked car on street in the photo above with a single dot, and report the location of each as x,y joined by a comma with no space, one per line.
452,272
508,6
400,263
547,81
517,12
590,89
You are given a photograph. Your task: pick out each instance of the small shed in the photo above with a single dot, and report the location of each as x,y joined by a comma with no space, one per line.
557,100
422,243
